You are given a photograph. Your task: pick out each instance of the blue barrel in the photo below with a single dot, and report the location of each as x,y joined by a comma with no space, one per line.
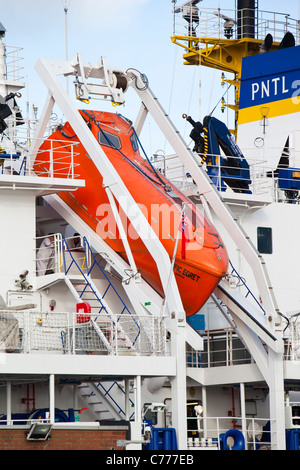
163,439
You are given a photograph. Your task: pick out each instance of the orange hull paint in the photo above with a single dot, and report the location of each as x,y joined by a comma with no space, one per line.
201,259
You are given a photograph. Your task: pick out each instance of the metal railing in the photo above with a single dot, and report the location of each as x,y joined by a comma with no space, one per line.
75,256
13,67
221,348
265,180
210,433
58,161
25,332
193,22
26,421
107,392
292,339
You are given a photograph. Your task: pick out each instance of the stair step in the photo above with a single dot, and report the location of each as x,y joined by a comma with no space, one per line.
87,292
98,407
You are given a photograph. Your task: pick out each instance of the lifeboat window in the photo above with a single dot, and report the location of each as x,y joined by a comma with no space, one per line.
134,142
264,240
109,139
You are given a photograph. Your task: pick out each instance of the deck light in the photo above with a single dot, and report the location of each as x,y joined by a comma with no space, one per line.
39,432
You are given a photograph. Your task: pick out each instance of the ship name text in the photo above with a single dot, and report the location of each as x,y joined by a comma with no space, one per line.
276,88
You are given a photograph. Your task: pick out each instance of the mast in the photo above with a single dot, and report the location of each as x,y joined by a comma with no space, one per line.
66,8
220,39
2,61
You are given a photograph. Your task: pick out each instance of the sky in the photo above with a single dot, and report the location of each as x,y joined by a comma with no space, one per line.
129,33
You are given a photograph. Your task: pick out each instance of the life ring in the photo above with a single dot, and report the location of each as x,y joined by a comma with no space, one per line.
238,437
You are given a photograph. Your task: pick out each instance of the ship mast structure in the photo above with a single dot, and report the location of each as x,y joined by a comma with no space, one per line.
220,39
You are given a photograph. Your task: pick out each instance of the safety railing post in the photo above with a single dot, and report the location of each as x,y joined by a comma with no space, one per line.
116,337
74,335
72,162
51,159
28,332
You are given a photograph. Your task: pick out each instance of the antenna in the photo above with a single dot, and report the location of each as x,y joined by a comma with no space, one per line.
66,7
66,4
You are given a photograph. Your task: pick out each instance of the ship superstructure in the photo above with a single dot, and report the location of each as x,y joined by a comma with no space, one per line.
254,165
89,345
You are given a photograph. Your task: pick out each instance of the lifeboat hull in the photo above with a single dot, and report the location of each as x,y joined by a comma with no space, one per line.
200,260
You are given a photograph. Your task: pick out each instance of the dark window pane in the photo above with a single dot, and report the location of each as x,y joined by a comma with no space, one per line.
110,140
264,240
134,142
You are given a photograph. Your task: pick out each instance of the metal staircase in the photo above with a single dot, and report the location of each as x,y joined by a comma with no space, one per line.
126,330
103,400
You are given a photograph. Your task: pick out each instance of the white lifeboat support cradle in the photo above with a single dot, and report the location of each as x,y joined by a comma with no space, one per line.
49,70
251,328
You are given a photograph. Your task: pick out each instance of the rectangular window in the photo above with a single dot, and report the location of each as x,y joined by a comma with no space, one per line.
264,240
134,142
109,139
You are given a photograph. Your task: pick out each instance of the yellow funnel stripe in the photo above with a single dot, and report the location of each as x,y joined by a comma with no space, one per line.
274,109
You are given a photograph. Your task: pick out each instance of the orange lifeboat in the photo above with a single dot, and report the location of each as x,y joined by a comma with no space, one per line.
201,259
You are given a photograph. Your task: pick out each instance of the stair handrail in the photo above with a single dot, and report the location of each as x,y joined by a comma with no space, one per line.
247,288
87,247
95,262
111,397
65,245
